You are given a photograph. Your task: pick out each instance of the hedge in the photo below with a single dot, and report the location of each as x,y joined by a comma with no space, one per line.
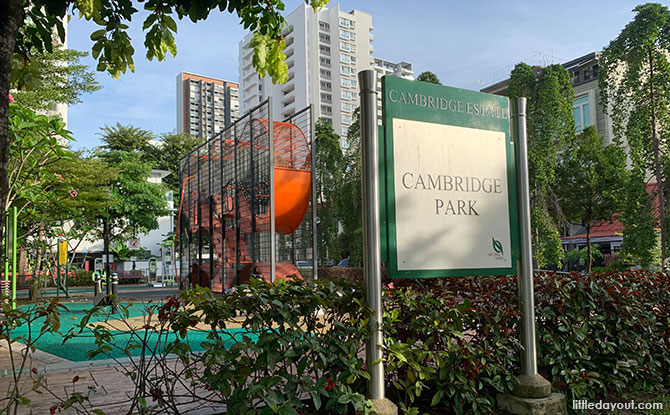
450,344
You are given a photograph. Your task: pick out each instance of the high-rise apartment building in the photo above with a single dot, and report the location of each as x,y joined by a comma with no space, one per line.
205,105
324,53
383,68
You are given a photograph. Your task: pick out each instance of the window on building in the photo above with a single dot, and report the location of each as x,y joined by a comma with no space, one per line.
344,58
346,119
347,22
347,47
347,94
348,83
581,113
347,70
347,107
345,34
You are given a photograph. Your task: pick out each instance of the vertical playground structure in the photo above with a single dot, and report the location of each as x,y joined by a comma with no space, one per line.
247,201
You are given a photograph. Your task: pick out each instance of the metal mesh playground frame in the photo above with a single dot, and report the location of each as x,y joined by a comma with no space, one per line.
244,196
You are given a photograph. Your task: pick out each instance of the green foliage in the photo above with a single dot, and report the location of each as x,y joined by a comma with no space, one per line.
111,44
136,203
598,335
350,203
269,57
550,128
35,145
329,168
547,249
21,346
634,80
604,333
168,151
52,78
286,348
450,344
438,355
639,236
123,253
428,77
591,181
125,138
581,256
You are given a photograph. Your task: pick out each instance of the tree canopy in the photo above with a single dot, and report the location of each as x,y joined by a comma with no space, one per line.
329,167
125,138
51,78
166,152
350,201
550,127
634,79
428,76
590,183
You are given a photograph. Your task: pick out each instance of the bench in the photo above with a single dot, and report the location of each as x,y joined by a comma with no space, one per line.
131,277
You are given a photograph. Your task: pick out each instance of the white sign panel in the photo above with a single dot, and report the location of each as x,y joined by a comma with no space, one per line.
451,197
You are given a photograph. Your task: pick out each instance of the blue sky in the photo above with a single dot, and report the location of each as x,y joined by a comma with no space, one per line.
467,44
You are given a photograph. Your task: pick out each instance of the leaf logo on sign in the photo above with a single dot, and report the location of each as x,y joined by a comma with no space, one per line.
497,246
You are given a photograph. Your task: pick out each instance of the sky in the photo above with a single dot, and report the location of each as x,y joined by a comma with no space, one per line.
467,44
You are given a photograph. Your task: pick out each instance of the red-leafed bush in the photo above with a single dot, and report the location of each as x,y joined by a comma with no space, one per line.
453,342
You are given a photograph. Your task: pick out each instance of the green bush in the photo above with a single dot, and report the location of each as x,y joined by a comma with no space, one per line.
437,357
451,345
81,278
300,348
598,334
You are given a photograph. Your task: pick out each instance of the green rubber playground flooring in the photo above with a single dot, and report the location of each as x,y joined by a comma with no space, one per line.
76,348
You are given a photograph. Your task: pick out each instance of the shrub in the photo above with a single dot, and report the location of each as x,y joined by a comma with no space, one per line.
81,278
451,344
597,335
299,348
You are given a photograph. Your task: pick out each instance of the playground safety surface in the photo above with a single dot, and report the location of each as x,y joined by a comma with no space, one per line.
61,364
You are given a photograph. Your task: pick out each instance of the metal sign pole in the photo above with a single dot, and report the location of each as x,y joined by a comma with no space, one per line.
371,239
529,354
530,384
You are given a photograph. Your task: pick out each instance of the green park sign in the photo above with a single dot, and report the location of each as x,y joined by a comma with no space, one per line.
448,182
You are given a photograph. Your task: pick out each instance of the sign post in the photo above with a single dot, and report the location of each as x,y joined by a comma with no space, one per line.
371,241
455,202
62,262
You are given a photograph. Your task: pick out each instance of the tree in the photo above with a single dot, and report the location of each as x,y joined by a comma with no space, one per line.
37,142
590,182
78,196
350,200
135,203
550,127
35,146
428,77
634,79
329,166
125,138
27,27
168,151
61,79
